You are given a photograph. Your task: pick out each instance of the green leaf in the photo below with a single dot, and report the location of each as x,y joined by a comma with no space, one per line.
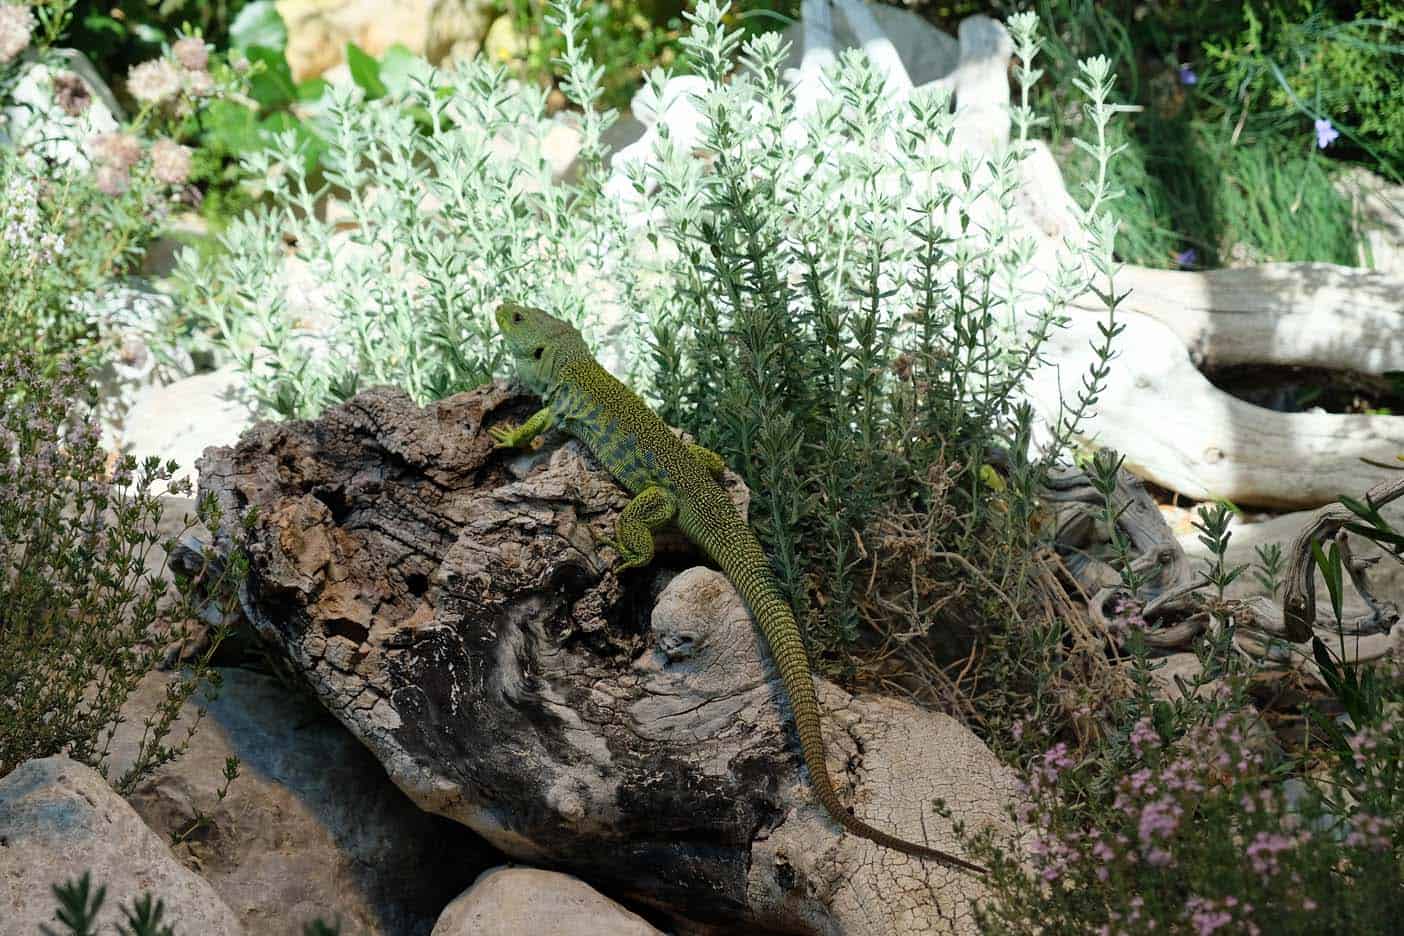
1363,510
230,127
96,22
273,85
311,89
1330,566
258,24
365,71
1327,663
396,66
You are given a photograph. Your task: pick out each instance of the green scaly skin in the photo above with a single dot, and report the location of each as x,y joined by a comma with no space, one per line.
672,481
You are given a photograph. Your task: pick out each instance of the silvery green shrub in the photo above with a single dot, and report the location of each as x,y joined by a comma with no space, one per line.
444,204
454,208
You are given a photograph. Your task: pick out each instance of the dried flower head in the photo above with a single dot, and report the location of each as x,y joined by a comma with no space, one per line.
154,82
170,162
16,30
199,84
72,94
192,52
119,151
111,180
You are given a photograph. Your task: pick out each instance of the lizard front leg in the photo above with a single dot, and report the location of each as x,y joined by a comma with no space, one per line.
709,459
633,531
523,435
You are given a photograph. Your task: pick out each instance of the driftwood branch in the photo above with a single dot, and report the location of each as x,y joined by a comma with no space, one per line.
1181,432
1299,593
1304,314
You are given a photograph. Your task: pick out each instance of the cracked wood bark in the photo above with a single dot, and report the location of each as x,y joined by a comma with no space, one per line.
447,603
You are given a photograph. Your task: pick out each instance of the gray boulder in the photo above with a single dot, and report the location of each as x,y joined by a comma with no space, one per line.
59,819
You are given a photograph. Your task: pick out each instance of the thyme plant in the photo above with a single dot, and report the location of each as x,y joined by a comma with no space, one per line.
82,613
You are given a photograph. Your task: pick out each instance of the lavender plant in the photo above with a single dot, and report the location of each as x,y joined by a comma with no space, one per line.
846,312
451,205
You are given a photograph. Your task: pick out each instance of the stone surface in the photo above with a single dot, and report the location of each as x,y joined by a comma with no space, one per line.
131,315
311,827
34,120
58,819
318,30
928,53
543,903
453,607
180,420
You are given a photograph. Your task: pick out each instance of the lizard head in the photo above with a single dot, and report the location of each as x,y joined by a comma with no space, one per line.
540,344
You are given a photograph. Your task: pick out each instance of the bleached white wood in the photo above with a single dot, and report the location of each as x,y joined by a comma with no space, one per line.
1183,433
1310,314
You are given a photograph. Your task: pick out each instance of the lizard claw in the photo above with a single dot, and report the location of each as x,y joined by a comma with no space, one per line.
502,435
625,561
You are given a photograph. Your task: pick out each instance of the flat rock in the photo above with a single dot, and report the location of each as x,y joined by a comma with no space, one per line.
312,827
58,819
180,420
507,901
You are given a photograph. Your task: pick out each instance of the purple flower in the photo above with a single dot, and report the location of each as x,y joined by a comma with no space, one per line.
1187,257
1325,133
1159,819
1187,76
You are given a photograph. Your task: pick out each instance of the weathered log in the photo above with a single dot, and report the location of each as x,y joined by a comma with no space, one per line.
1305,314
1184,434
449,605
1174,606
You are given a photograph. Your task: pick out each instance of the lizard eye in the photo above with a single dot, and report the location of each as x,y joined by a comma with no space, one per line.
516,316
537,353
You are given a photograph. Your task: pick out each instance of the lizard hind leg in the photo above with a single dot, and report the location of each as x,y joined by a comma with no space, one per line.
633,531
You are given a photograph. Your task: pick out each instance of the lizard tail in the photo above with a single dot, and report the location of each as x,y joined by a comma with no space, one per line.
745,564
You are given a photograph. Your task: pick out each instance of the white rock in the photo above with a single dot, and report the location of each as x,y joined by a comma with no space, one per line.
312,827
58,819
319,30
35,122
180,419
507,901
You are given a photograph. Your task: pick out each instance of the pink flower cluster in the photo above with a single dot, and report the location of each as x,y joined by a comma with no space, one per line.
16,30
115,154
1229,915
1369,831
1154,823
163,80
